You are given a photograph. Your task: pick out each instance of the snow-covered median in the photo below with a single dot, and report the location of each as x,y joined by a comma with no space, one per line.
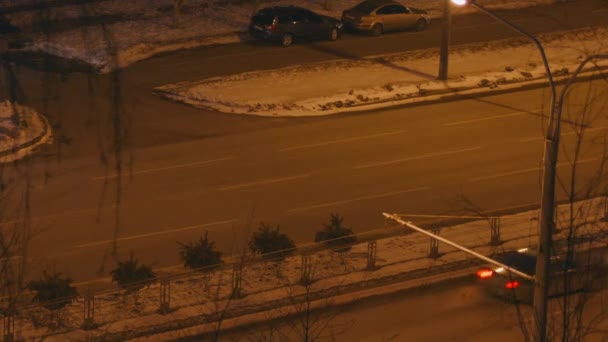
381,81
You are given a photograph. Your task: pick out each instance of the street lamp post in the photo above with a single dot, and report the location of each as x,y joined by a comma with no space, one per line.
547,207
445,41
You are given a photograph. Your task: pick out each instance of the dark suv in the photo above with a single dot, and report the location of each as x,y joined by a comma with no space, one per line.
286,23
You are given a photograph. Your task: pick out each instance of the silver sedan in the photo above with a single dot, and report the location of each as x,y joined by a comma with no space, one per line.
378,16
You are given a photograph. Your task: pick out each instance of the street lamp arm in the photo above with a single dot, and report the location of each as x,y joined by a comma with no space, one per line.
398,219
543,56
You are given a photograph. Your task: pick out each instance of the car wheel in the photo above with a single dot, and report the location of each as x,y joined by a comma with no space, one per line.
334,34
420,25
376,30
287,39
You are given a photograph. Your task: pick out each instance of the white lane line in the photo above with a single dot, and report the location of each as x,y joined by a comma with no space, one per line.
537,138
486,118
169,231
516,172
178,166
208,59
11,258
263,182
424,156
340,141
364,198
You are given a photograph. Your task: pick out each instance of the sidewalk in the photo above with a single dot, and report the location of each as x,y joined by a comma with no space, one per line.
402,262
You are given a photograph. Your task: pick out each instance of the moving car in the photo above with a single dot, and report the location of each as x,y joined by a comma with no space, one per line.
286,23
378,16
498,282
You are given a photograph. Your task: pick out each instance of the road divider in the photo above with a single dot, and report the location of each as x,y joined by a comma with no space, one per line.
532,169
494,117
164,168
263,182
424,156
357,199
169,231
562,134
340,141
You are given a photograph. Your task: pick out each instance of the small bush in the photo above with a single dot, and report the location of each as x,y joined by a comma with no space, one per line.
200,254
271,243
53,291
130,276
335,235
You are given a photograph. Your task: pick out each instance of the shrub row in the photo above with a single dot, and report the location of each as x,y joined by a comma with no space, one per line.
55,291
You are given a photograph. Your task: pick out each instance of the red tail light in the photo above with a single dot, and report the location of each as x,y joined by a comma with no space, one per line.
485,273
269,27
512,284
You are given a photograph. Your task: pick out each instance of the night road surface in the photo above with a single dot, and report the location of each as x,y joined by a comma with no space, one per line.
422,160
194,171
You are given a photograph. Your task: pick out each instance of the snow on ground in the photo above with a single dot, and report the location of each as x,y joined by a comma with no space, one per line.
21,129
138,29
362,84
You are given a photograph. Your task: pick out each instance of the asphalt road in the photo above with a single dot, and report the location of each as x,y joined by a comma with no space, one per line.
436,159
188,170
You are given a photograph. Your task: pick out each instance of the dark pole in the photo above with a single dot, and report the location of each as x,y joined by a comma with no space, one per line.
445,41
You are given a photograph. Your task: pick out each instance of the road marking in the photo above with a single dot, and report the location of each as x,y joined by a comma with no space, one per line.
537,138
340,141
263,182
424,156
222,57
11,258
488,118
175,230
179,166
516,172
364,198
95,281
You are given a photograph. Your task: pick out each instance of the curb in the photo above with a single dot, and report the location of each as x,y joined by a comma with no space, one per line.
429,97
458,94
29,143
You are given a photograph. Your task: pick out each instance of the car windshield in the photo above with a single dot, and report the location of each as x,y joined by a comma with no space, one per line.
365,7
523,262
263,18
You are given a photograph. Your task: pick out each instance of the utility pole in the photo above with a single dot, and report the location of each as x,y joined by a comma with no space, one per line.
446,27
